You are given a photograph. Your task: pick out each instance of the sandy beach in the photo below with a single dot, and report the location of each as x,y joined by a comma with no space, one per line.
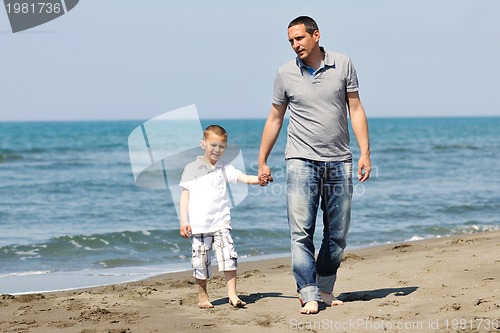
438,285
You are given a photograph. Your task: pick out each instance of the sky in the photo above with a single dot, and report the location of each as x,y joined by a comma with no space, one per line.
124,59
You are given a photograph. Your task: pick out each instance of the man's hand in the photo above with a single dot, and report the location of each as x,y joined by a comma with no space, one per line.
185,231
264,175
364,168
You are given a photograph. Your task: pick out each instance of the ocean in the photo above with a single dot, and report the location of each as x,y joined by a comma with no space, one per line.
72,216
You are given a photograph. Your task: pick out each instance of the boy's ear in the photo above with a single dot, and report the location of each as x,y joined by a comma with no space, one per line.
202,144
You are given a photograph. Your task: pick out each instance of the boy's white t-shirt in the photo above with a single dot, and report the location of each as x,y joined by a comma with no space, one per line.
209,205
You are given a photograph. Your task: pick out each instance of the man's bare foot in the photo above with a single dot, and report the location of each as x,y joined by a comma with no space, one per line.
310,307
329,299
205,305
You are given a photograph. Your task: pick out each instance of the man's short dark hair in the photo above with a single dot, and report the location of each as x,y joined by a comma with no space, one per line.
308,22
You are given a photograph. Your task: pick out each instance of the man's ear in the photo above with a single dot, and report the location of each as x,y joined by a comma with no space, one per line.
202,144
316,35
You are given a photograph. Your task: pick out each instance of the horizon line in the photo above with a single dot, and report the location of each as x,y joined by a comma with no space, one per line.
229,118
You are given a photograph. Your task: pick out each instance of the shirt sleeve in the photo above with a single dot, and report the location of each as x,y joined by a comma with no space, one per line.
184,183
351,78
232,173
279,94
187,176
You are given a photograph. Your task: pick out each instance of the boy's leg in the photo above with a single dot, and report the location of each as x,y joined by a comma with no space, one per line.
234,300
201,245
204,302
227,260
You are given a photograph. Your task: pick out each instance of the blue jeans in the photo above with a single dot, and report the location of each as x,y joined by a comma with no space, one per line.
313,184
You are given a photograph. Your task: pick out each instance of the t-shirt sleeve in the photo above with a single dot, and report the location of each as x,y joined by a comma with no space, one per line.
351,78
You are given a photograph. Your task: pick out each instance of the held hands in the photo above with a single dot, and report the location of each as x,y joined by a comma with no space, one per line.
265,179
364,170
264,175
185,231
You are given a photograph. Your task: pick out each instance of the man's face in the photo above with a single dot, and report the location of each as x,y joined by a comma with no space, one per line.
302,43
214,146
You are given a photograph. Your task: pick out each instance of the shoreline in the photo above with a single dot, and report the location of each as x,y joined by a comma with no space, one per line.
14,283
45,282
438,284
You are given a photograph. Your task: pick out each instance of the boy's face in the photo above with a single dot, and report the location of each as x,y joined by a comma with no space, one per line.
214,147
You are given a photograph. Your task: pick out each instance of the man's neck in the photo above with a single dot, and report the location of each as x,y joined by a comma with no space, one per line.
315,59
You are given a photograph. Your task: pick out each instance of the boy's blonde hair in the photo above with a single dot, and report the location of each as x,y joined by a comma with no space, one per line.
215,129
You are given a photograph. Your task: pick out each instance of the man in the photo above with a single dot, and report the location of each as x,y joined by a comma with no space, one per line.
319,89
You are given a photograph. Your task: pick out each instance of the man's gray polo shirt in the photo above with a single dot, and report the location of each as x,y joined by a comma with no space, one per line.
318,128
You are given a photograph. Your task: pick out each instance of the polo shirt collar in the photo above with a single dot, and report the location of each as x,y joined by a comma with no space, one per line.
218,164
329,61
202,161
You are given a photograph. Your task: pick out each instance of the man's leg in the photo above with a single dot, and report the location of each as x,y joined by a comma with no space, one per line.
303,180
336,205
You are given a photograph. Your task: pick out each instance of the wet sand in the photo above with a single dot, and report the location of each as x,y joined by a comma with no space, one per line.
438,285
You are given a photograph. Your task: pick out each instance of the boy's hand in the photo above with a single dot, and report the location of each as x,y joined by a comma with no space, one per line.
264,175
185,231
265,179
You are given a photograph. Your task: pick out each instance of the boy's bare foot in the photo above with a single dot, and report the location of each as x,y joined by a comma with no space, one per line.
237,302
234,300
329,299
310,307
205,305
204,302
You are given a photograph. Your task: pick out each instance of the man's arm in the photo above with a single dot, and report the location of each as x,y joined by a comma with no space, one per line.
269,136
185,230
360,127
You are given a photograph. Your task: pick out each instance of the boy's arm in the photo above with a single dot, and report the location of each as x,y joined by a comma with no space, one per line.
254,180
185,230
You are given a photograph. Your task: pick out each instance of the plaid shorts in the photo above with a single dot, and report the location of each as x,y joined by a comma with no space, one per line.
223,247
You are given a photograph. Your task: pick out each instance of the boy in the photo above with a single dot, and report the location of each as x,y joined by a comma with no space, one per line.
205,213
